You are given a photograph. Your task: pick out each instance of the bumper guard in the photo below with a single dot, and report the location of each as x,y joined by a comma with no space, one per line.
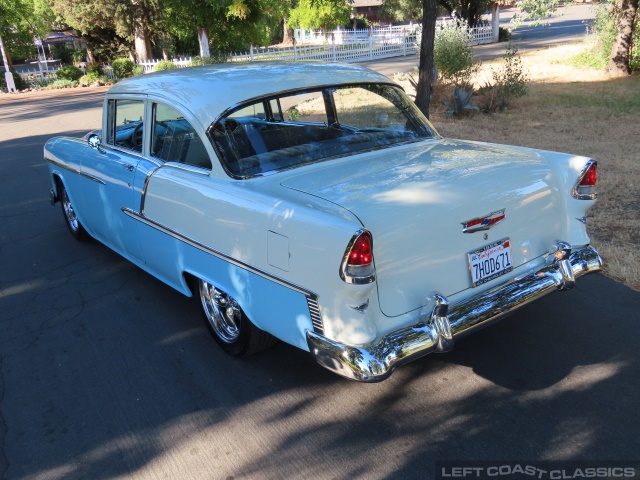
436,330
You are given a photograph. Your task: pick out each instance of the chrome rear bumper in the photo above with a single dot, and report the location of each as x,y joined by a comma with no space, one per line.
435,332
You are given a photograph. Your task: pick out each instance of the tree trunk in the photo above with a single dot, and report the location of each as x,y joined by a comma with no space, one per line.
142,43
6,57
621,51
90,56
286,38
425,67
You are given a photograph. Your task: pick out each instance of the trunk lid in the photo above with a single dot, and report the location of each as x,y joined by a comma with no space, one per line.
414,199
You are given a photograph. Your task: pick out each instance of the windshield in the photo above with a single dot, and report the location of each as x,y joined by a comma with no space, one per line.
284,131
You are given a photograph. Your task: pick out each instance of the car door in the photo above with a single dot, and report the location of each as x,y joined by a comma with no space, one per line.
109,176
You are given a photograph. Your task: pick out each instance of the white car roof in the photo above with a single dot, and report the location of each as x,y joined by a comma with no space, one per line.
209,90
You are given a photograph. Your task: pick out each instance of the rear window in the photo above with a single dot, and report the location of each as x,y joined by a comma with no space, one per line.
281,132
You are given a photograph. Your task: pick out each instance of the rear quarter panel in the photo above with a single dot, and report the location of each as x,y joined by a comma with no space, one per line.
293,241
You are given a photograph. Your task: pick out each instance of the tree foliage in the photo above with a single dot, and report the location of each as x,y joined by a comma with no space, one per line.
316,14
129,24
231,24
20,21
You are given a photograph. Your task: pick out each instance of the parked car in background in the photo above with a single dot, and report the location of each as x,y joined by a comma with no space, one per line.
314,204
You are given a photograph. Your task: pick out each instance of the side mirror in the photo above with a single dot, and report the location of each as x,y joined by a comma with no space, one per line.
94,142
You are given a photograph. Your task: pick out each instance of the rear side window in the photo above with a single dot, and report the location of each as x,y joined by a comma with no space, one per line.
173,139
281,132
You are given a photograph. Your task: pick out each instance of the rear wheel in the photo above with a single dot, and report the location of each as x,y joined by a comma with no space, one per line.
228,324
70,217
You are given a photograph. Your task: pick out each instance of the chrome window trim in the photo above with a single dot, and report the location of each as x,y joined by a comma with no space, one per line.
312,298
574,191
187,167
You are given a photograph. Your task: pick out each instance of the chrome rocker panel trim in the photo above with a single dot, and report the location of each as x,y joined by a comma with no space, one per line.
376,361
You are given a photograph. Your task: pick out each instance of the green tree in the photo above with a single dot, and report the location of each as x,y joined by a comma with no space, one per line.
231,24
319,14
131,24
20,21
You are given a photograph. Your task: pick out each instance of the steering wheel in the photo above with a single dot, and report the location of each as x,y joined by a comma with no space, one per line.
136,138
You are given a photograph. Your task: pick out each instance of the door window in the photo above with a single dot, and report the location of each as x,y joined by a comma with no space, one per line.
125,127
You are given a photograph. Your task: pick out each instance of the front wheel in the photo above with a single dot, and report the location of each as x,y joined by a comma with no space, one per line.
70,217
230,327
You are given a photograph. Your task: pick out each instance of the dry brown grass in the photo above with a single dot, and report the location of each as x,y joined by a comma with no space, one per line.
584,112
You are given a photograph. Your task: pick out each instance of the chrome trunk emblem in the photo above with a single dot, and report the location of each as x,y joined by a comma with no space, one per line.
483,223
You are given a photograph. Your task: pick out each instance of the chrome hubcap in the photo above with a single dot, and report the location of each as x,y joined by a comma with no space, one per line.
69,212
222,312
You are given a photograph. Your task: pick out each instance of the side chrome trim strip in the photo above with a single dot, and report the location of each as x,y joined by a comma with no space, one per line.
91,177
74,170
188,168
312,298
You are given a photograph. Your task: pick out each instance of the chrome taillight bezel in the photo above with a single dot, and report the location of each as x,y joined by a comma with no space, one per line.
358,274
585,192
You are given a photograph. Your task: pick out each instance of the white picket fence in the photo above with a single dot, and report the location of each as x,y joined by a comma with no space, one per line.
482,35
180,62
372,47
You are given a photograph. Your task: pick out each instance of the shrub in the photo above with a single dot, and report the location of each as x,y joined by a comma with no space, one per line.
453,55
90,79
69,72
600,41
96,69
216,57
137,70
122,68
507,83
79,55
64,84
17,80
511,80
459,102
164,65
62,52
504,35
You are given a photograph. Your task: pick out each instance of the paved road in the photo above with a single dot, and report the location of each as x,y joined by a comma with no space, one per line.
107,373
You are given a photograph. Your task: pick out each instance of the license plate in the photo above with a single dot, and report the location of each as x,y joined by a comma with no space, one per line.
490,262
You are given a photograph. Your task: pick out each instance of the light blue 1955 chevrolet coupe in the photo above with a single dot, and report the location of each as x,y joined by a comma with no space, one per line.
314,204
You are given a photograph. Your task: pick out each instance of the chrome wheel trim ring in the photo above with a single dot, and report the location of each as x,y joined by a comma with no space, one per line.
222,311
69,212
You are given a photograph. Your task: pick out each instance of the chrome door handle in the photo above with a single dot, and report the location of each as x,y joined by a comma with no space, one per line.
128,167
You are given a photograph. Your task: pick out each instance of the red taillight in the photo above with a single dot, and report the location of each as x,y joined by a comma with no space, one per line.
585,188
361,252
357,265
589,178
